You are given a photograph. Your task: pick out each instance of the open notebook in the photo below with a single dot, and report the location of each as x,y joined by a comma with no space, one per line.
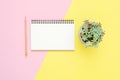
52,34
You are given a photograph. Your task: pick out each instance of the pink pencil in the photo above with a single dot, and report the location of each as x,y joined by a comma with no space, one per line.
25,28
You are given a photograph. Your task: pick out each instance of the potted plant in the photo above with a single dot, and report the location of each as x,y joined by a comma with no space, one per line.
91,33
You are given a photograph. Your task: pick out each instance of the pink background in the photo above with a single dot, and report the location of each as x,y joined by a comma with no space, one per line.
13,64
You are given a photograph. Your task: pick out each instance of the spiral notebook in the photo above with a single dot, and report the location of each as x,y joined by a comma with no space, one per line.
52,34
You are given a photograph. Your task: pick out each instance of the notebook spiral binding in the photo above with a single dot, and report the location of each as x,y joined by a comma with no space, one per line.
52,21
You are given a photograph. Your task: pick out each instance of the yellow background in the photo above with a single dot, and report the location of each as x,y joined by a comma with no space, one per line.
102,63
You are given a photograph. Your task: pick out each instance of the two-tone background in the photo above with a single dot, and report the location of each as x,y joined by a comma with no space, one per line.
102,63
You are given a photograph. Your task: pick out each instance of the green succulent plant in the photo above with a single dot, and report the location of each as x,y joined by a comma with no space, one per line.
91,33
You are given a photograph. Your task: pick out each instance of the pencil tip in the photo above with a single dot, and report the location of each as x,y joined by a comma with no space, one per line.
26,55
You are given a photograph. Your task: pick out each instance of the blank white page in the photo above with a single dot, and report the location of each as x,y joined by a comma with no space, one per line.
53,36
